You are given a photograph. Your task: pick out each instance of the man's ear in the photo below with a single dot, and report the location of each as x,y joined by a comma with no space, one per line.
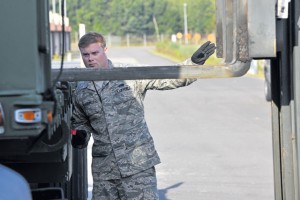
105,49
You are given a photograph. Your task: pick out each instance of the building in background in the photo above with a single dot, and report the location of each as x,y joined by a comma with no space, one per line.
56,37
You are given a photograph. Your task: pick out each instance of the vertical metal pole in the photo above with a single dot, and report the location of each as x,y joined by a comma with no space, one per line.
60,7
81,33
128,39
285,92
296,86
185,24
53,6
145,40
65,8
276,129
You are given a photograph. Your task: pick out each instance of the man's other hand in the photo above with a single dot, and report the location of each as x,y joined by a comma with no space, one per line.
203,53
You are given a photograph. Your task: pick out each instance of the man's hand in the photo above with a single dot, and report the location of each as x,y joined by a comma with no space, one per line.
80,139
203,53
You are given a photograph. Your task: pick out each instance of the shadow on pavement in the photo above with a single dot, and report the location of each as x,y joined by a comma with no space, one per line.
163,192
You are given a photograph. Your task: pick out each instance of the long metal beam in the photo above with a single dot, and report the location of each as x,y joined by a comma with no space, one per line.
154,72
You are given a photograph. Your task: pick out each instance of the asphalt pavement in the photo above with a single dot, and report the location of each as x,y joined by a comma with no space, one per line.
214,139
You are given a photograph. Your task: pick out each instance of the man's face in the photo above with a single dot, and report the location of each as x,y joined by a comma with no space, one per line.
94,56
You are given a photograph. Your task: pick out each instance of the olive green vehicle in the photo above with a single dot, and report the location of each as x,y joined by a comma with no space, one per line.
35,115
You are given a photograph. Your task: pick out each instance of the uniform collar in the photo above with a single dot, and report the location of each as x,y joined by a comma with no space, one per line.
110,64
90,84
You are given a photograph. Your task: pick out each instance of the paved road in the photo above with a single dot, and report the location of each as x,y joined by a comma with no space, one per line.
213,137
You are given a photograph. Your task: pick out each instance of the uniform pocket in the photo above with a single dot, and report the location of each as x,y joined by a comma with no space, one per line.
91,105
122,93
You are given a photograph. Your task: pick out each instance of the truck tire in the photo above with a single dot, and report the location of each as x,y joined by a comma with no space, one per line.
79,178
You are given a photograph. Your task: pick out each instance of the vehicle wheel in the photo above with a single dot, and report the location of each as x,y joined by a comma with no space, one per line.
79,174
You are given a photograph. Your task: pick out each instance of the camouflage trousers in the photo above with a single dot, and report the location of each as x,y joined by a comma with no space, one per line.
141,186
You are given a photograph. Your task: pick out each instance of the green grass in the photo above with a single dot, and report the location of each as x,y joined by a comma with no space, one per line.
178,53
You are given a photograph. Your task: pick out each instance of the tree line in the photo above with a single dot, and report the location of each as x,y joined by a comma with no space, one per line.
151,17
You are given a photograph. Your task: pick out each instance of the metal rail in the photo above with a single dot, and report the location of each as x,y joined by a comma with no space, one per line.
155,72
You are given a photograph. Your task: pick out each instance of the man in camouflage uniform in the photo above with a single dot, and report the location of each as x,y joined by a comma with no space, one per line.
123,152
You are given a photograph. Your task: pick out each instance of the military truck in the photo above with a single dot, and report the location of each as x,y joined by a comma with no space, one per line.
36,106
35,110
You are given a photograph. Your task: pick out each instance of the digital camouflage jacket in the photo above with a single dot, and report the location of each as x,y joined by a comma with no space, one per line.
122,144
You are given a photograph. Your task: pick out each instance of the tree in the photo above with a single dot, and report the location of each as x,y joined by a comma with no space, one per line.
120,17
202,16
